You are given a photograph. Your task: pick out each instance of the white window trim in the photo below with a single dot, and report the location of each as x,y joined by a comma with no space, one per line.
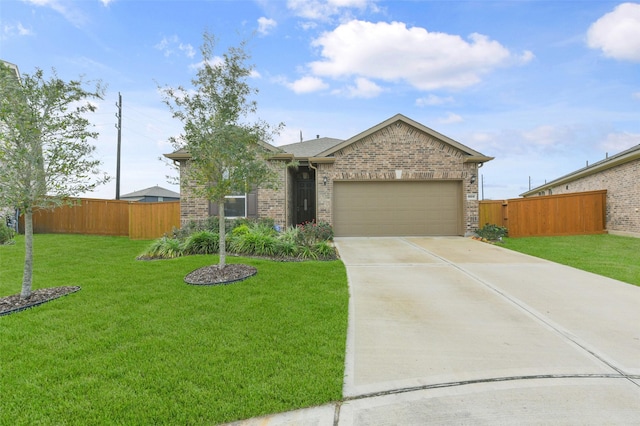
245,205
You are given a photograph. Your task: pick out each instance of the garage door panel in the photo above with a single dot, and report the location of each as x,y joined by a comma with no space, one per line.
397,208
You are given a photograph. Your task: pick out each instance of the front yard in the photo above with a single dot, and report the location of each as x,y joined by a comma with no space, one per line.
609,255
136,345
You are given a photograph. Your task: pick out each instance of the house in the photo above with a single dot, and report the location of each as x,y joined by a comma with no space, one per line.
619,175
398,178
151,195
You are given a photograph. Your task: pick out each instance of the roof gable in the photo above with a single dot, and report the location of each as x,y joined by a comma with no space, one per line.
471,154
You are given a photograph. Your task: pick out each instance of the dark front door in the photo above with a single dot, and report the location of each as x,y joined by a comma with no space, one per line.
304,197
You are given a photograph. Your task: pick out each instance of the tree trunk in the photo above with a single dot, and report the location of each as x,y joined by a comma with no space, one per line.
28,254
222,230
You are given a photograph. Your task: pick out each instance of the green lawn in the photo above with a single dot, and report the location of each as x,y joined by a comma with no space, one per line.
138,346
609,255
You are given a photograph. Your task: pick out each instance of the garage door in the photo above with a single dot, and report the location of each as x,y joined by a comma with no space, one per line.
397,208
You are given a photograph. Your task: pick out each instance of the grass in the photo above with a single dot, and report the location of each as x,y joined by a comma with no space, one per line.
609,255
138,346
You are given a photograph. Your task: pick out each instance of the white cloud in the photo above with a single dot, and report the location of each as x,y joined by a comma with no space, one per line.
325,9
67,9
433,100
172,46
636,95
216,61
265,25
364,88
451,118
307,84
393,52
15,30
106,2
617,33
618,142
546,136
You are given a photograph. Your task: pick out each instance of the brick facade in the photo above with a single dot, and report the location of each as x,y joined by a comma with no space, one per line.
623,194
192,207
399,147
394,150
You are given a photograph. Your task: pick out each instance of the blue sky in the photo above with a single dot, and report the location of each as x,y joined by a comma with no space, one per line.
542,86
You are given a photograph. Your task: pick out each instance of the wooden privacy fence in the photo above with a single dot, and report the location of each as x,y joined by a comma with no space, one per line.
564,214
108,217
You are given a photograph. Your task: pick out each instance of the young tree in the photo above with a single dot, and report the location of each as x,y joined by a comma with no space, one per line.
45,156
226,148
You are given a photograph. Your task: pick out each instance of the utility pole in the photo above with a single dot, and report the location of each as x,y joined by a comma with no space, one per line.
119,127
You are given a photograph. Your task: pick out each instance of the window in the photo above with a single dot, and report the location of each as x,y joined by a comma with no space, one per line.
235,205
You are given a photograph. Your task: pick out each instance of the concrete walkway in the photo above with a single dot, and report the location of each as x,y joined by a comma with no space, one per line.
455,331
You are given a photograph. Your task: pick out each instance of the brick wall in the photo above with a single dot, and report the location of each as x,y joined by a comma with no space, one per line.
399,146
623,194
272,203
192,207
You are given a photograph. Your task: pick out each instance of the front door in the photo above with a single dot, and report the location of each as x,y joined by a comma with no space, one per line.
304,196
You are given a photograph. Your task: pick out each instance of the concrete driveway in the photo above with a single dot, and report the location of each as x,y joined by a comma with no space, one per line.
455,331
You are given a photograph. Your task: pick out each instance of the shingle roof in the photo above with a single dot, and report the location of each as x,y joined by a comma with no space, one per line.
310,148
154,191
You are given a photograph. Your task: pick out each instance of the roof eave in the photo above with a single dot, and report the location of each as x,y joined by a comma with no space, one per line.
178,156
322,160
478,159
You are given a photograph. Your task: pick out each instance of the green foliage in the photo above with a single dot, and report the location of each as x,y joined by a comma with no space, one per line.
6,234
202,242
324,250
307,253
312,232
136,346
492,232
163,248
247,237
45,154
226,149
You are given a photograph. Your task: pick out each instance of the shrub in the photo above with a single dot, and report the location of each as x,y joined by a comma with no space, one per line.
492,232
6,234
307,253
202,242
286,248
164,248
313,232
324,250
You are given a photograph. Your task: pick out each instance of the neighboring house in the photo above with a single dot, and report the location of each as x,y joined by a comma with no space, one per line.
619,175
398,178
13,67
151,195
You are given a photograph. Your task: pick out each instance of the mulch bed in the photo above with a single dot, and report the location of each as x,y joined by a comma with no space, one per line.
13,303
212,275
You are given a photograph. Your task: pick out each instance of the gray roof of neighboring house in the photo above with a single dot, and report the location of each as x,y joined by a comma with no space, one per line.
623,157
154,191
310,148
